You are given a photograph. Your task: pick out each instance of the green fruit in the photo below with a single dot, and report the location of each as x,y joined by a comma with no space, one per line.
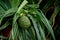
24,22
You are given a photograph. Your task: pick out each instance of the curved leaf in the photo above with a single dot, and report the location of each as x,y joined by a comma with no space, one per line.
14,3
5,25
35,27
3,5
17,14
3,37
7,13
14,33
41,32
46,22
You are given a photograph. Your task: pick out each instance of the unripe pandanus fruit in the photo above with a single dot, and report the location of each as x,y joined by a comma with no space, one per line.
24,22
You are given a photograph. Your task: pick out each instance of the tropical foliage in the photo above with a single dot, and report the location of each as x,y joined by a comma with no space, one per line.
35,25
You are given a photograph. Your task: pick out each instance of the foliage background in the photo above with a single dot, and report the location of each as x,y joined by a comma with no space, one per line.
50,11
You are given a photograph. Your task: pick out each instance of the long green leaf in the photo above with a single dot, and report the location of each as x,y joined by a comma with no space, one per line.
49,2
32,32
25,37
22,5
5,25
17,14
14,3
33,5
2,9
3,5
41,32
14,33
7,3
35,27
3,37
20,35
7,13
57,9
39,2
46,22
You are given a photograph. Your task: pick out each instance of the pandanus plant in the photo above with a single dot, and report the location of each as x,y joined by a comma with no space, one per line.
23,20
